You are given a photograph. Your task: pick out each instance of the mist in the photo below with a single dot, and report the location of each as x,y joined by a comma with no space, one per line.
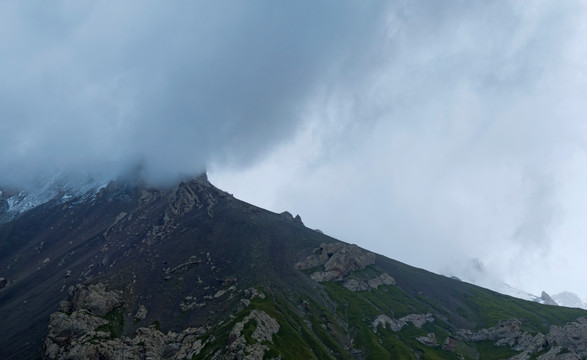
449,135
102,88
461,151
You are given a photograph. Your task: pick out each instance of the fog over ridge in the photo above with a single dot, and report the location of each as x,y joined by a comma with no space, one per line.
105,86
442,134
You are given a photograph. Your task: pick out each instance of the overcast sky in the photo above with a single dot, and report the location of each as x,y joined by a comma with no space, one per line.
449,135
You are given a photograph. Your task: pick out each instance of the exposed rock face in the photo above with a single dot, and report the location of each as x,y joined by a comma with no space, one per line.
190,303
148,343
428,340
397,324
94,298
356,285
188,196
238,348
338,259
297,219
86,334
63,328
81,330
572,337
506,329
141,313
547,299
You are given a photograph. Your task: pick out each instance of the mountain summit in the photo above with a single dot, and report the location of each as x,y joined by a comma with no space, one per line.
190,272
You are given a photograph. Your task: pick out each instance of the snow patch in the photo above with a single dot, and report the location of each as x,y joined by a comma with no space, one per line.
59,188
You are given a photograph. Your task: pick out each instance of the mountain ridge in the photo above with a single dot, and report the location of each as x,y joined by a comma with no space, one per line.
190,265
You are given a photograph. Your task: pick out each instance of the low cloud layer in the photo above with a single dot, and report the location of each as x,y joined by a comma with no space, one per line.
442,134
464,143
101,87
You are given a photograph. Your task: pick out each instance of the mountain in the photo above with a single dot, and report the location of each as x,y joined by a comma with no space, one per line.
190,272
569,299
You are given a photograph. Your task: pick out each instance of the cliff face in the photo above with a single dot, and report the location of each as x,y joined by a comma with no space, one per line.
189,272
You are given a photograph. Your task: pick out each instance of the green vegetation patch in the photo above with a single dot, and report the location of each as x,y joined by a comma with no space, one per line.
488,350
359,309
115,325
294,340
489,308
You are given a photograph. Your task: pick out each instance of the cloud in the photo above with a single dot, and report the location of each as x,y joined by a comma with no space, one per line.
433,132
461,141
104,86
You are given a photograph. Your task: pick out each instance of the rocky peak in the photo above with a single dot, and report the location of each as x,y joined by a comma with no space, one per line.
196,193
547,299
297,219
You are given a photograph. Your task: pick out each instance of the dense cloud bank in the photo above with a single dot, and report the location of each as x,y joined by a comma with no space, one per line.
465,144
447,134
101,87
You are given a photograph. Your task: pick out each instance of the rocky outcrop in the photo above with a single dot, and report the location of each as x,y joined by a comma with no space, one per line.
148,343
504,330
572,338
141,313
288,216
241,348
338,260
356,285
187,196
397,324
190,303
546,299
3,282
85,329
93,298
428,340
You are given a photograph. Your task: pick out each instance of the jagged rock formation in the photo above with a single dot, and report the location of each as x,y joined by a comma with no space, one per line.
546,299
287,215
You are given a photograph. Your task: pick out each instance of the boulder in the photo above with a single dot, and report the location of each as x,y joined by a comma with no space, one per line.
95,298
338,260
428,340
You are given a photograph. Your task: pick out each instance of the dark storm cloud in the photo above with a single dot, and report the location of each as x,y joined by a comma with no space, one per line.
99,87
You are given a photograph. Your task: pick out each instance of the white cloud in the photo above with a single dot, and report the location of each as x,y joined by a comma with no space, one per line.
456,144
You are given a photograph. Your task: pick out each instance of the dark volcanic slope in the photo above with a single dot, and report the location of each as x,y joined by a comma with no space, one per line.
130,236
188,255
